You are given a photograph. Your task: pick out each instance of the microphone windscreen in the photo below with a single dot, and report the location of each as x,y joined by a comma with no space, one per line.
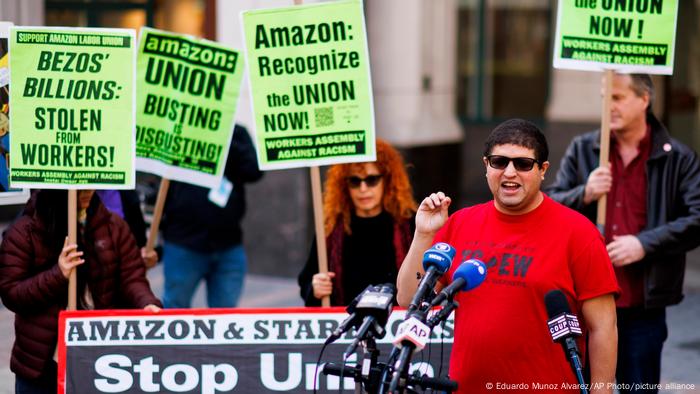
446,248
472,271
556,303
439,256
388,288
353,304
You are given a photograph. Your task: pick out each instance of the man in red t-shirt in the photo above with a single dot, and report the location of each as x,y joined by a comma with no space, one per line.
531,245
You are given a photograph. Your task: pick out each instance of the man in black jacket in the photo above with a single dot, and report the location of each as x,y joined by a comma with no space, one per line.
203,235
652,218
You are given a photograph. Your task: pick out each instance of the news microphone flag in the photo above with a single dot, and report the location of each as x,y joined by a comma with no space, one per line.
564,328
414,331
564,325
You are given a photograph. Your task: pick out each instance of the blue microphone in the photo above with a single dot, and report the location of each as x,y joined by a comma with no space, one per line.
439,256
468,275
436,261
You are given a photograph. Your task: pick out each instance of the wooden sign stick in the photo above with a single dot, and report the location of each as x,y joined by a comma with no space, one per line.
604,158
72,238
157,215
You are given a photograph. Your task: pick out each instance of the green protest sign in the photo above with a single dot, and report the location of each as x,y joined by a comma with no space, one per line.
623,35
72,108
7,196
310,84
187,96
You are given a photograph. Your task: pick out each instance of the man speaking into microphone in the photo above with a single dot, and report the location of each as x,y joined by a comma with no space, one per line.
530,245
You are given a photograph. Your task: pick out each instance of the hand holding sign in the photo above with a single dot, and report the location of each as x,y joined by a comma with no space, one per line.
598,184
69,258
149,256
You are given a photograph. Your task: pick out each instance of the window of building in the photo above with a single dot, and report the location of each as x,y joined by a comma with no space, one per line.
503,58
182,16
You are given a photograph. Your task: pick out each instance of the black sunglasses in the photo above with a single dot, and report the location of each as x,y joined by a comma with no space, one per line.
520,163
370,180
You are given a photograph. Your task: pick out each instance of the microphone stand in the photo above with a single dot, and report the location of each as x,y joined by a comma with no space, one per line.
415,329
575,361
374,375
401,370
369,363
386,370
443,314
401,367
369,372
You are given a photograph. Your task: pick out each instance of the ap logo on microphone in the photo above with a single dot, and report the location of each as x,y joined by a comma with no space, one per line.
415,331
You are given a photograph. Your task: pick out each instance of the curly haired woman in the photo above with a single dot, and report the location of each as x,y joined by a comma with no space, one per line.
367,209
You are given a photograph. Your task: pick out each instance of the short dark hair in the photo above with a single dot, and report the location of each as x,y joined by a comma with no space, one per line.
518,132
642,84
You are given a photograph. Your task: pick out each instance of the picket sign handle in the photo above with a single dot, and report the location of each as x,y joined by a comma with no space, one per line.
318,225
604,158
72,238
157,215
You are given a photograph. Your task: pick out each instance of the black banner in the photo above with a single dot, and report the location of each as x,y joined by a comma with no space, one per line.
218,351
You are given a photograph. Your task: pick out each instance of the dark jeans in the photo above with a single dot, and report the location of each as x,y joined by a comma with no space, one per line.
45,384
641,334
183,269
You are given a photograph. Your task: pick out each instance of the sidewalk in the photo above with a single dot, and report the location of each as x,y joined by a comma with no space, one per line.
258,291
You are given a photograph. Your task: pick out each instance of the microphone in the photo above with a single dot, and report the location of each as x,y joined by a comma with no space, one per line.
436,261
351,320
374,307
413,333
564,328
467,276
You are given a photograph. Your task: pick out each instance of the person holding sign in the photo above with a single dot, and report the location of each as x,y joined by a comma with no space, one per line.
367,209
35,263
203,235
652,217
531,246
